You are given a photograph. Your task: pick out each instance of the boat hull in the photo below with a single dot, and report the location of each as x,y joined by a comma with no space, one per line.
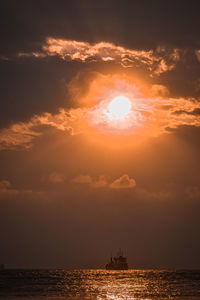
117,267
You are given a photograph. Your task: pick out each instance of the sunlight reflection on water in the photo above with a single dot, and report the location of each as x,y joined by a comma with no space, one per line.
99,284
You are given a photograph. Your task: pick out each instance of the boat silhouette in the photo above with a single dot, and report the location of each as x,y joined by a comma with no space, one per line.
118,262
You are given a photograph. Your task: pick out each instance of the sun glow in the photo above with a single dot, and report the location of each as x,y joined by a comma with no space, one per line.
115,109
118,108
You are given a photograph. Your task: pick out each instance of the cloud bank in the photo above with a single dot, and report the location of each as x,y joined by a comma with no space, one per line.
123,182
150,116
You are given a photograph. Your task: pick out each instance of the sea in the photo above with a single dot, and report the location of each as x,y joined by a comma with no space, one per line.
99,284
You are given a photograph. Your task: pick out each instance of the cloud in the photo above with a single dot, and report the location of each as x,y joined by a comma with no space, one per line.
151,114
82,179
56,177
83,51
157,62
159,90
123,182
194,112
22,135
86,179
151,117
32,54
100,182
19,135
6,190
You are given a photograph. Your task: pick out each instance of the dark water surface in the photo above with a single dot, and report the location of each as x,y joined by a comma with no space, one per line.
99,284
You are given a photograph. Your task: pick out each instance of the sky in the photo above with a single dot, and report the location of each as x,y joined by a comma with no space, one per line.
99,133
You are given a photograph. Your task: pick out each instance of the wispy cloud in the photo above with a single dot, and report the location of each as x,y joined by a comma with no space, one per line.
23,134
19,135
157,62
83,51
175,112
32,54
194,112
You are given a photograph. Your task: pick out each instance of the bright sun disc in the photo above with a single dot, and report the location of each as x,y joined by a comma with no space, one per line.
119,108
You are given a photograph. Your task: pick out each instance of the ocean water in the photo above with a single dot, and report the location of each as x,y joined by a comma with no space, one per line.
99,284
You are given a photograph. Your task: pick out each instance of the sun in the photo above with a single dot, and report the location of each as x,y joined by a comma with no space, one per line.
118,108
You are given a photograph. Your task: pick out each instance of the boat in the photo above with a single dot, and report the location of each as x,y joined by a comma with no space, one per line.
118,262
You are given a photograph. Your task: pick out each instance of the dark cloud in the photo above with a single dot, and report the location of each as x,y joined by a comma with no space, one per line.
195,112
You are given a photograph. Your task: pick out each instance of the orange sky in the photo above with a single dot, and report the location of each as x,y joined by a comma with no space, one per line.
77,172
